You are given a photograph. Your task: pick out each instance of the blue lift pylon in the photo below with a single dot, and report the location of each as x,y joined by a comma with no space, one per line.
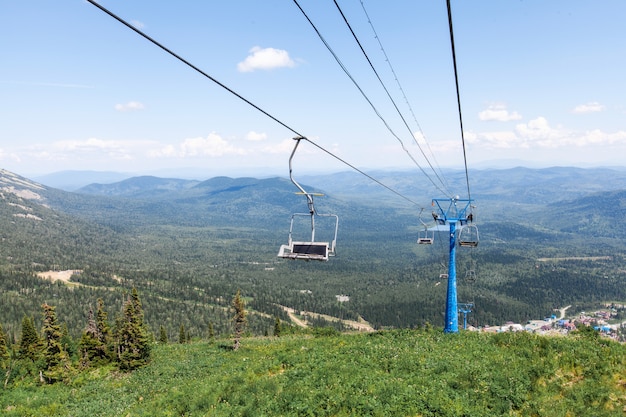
454,212
465,309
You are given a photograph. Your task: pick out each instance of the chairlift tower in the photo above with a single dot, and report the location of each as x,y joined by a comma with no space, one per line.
454,212
465,309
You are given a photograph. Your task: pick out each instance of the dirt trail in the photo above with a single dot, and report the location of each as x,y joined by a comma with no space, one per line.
360,325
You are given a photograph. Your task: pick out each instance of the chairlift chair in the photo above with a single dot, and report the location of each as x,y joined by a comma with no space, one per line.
468,236
311,250
426,236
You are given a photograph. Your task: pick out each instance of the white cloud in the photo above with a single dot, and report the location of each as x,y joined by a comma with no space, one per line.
213,145
255,136
113,148
265,59
130,106
498,113
538,134
591,107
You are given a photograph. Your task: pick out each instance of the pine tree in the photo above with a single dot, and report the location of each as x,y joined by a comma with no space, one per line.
30,344
57,363
162,335
133,348
4,349
277,327
181,334
66,340
93,346
104,330
211,331
239,319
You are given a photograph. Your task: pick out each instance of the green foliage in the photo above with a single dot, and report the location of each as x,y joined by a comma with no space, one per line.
162,335
131,337
399,372
57,360
182,336
277,327
239,319
4,350
30,343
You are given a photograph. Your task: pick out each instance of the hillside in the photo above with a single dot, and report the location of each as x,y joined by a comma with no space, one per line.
392,373
188,246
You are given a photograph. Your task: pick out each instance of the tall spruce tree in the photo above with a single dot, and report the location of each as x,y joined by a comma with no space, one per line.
104,329
30,343
133,348
4,348
57,363
239,319
162,335
181,334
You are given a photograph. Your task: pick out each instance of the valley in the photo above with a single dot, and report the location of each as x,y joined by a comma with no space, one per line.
187,246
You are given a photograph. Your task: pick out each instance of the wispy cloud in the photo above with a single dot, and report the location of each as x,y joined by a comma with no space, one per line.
591,107
539,134
265,59
255,136
498,113
130,106
213,145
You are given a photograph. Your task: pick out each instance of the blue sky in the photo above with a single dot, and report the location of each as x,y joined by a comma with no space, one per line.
542,84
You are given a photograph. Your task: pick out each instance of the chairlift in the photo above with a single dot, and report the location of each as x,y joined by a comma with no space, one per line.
311,249
426,236
470,276
468,236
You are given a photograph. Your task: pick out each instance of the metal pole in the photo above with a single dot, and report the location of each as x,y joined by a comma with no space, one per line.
452,312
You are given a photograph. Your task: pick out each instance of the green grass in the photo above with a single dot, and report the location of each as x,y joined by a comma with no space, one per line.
394,373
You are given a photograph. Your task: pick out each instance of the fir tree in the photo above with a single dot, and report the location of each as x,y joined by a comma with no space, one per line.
30,344
239,319
181,334
211,331
4,349
66,340
133,349
93,349
57,363
104,330
277,327
162,335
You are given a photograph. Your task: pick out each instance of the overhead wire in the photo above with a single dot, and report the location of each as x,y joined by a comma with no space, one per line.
382,83
458,96
239,96
345,70
408,103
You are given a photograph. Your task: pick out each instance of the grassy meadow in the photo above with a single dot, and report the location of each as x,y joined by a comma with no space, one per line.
323,373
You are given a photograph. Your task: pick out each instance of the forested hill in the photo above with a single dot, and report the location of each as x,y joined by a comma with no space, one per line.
194,243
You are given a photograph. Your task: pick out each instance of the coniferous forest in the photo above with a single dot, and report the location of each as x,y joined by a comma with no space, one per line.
136,300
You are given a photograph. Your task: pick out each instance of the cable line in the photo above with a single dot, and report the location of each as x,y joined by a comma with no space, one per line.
419,127
183,60
388,93
458,96
345,70
139,32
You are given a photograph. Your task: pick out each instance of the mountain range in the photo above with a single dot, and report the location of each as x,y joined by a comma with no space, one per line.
196,240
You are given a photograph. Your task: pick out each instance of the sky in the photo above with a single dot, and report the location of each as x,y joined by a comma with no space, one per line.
541,84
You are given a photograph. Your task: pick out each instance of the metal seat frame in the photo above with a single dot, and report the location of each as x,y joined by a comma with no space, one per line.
307,250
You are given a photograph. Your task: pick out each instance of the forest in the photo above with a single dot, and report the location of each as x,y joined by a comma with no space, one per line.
186,249
188,246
